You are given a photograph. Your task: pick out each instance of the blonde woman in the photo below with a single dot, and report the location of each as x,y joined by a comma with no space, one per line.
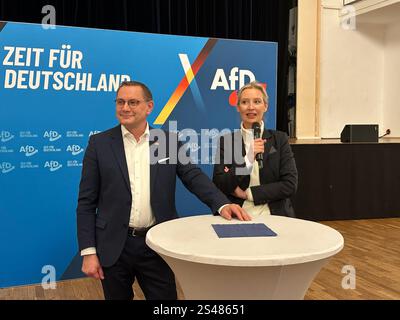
264,186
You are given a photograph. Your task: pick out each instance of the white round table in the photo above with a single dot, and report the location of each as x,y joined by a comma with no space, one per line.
209,267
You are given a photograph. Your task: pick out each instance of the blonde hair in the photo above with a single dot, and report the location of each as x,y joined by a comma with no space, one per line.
253,85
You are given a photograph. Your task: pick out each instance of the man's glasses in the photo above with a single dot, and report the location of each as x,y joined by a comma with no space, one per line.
131,103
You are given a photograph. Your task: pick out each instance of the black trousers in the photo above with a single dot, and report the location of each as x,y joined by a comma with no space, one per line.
153,274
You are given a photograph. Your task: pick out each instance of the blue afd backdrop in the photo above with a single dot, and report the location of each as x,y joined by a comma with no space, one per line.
50,107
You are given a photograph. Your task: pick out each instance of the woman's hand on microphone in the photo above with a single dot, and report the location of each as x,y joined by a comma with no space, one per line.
259,146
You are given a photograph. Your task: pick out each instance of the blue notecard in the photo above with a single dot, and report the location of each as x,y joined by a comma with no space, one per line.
243,230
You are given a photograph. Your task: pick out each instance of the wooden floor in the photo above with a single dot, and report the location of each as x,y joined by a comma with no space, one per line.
371,246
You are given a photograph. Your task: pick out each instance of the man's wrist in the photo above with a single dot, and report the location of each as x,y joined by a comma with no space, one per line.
88,251
220,209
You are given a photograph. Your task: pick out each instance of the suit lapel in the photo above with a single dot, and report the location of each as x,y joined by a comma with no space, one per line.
236,136
154,166
266,135
243,179
117,146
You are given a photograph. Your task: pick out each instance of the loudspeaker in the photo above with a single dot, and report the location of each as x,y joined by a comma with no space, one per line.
360,133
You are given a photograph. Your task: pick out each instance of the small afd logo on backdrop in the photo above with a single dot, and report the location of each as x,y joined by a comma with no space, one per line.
52,165
6,136
6,167
75,149
28,150
52,135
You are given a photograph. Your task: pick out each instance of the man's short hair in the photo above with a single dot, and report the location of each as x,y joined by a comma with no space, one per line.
146,91
253,85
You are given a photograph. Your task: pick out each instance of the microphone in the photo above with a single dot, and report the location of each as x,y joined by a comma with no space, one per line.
387,132
257,134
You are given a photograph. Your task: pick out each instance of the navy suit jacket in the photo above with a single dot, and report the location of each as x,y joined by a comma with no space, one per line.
104,202
278,177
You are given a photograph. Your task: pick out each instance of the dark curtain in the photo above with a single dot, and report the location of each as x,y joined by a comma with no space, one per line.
264,20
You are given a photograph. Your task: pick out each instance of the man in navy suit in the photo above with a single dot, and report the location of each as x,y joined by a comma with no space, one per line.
123,192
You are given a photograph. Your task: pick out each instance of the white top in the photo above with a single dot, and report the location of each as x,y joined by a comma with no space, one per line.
248,204
137,155
194,239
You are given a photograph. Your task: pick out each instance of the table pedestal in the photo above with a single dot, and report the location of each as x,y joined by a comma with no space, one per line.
201,281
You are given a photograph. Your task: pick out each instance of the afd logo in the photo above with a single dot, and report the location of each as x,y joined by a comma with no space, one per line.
52,135
5,136
52,165
28,150
237,79
75,149
6,167
93,132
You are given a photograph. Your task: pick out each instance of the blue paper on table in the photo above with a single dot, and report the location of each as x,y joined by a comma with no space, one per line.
243,230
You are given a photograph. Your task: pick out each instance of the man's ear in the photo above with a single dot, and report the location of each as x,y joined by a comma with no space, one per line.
150,106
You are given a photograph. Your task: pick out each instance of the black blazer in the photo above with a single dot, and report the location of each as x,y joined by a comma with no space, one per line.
104,202
278,178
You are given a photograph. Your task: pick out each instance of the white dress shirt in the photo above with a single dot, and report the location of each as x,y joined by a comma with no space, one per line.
248,205
137,155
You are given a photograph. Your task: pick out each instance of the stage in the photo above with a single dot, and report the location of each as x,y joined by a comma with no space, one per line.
340,181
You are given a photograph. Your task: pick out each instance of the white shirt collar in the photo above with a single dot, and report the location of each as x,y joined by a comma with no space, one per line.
249,132
125,131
